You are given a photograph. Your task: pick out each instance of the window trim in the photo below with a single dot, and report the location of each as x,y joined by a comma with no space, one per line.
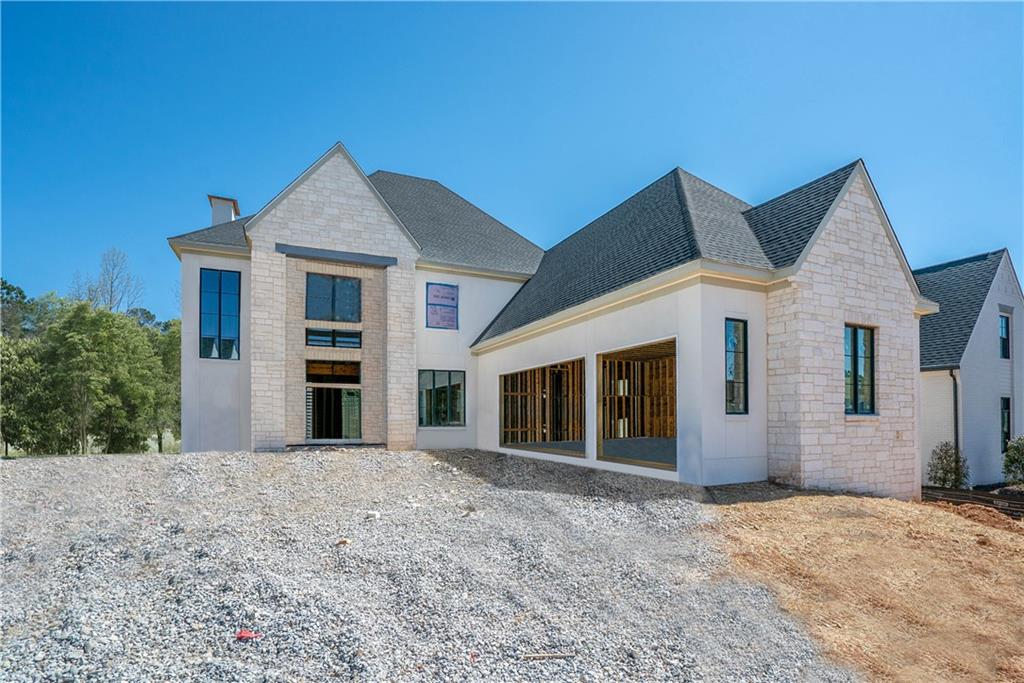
433,386
1004,348
857,329
746,366
334,297
427,305
220,314
1005,408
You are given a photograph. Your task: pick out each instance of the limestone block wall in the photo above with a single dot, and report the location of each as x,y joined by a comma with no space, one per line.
852,274
331,207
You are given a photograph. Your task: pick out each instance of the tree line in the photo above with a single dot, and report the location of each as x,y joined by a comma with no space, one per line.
88,372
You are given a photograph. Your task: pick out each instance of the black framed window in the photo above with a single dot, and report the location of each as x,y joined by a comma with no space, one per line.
219,301
1004,423
736,402
860,370
442,398
333,297
1004,336
332,372
342,339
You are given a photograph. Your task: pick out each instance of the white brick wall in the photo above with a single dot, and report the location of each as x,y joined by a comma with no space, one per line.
853,274
333,208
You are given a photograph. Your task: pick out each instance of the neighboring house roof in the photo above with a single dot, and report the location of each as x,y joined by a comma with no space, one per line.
960,288
676,219
452,231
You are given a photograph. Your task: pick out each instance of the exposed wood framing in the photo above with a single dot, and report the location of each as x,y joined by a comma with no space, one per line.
544,405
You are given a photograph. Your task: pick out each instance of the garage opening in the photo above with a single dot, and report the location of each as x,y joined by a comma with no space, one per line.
543,409
636,422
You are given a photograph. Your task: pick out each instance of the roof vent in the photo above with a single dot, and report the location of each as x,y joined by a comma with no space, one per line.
225,209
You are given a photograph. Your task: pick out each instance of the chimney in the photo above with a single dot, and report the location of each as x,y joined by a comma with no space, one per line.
225,209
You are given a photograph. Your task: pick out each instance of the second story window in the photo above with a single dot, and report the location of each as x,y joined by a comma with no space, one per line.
219,299
735,367
1004,336
332,297
860,370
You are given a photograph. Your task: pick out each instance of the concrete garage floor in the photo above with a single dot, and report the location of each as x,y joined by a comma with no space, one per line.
366,564
640,449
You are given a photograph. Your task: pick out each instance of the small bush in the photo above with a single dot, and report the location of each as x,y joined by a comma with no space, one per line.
1013,461
947,467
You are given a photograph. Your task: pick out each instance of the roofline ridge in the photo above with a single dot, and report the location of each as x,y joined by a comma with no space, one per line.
599,217
406,175
684,205
852,164
958,261
682,170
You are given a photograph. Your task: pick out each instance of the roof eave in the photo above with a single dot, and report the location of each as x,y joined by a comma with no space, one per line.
463,269
925,306
181,246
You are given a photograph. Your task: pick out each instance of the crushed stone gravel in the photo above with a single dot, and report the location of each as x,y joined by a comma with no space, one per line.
365,564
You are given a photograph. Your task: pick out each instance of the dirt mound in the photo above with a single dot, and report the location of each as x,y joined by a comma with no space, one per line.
982,515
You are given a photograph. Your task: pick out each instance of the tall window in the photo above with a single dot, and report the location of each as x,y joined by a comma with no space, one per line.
736,367
1004,336
442,398
860,370
331,297
219,294
1004,425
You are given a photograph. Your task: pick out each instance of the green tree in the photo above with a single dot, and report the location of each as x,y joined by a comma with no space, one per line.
166,343
1013,461
13,310
103,370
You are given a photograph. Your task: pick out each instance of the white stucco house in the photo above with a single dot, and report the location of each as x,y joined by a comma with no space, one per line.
685,334
970,380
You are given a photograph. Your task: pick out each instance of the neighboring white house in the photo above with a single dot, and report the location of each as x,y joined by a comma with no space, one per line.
685,334
971,379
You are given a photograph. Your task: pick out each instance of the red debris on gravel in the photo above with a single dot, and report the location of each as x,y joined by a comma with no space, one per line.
246,634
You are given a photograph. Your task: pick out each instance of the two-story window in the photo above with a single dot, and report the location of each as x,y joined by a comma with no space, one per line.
1004,336
860,370
736,400
333,297
219,301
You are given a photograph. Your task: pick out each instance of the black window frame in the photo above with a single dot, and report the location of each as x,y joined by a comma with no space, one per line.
1005,419
729,409
1004,336
220,338
421,403
333,337
853,381
334,298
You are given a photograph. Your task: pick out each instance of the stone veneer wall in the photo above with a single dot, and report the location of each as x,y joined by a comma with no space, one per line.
333,208
852,275
373,379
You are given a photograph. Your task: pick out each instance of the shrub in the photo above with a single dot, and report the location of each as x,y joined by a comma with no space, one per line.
1013,461
948,467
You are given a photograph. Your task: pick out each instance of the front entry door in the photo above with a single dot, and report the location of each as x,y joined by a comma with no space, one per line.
333,414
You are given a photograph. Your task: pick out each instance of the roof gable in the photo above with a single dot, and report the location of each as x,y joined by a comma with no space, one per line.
451,230
229,236
960,288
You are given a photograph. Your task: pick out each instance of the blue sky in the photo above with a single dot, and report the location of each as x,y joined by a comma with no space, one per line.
118,119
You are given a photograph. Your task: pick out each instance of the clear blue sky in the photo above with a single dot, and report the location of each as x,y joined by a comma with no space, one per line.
118,119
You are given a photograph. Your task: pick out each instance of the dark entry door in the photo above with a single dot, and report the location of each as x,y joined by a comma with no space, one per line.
333,413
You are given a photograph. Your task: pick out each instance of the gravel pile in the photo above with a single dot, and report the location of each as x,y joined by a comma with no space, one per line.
372,565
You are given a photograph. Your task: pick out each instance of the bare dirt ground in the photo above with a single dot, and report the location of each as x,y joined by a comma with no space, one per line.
899,591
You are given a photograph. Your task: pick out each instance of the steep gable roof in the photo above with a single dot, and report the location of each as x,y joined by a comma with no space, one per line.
676,219
960,288
451,230
784,225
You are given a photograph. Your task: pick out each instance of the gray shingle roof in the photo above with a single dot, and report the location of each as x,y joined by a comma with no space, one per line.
230,234
450,230
676,219
960,288
784,225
